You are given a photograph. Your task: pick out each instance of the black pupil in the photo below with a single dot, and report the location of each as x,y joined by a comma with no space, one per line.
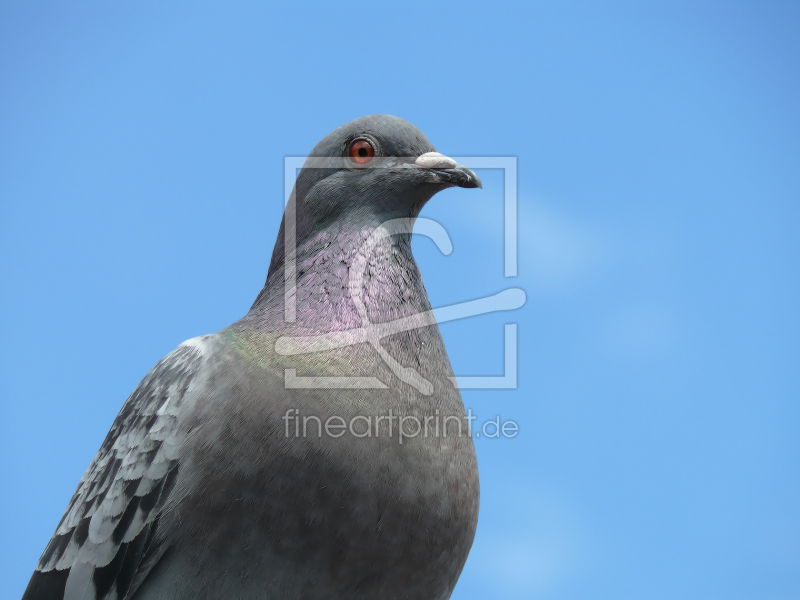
362,152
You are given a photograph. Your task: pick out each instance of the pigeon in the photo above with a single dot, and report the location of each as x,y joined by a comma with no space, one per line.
316,448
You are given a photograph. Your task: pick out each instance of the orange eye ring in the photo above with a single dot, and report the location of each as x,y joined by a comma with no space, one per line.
362,151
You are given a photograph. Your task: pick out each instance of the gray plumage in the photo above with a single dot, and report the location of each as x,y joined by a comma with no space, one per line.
203,490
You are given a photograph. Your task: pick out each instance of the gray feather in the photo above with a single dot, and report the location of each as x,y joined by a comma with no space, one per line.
118,500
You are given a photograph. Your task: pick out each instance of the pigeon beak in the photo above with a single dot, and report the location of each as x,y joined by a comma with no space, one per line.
444,169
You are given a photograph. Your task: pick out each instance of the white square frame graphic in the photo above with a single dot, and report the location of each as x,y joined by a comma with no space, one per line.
292,164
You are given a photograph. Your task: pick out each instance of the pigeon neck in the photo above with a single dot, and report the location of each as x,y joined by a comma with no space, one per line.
336,269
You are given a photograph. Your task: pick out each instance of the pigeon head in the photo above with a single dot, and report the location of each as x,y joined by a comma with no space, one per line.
373,169
366,172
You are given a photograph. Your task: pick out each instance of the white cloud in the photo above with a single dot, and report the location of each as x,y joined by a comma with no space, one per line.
530,551
557,251
523,565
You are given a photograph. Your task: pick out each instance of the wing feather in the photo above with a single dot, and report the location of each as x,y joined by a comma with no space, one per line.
103,547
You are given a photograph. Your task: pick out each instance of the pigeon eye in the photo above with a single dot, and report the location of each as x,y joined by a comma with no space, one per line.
362,151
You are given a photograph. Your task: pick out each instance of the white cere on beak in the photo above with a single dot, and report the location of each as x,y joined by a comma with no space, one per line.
434,160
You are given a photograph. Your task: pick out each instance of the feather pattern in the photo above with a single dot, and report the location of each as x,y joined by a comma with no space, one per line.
107,531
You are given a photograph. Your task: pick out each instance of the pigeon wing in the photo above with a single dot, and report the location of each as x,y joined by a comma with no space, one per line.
105,540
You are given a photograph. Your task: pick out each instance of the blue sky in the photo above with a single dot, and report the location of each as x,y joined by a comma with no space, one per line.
141,178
